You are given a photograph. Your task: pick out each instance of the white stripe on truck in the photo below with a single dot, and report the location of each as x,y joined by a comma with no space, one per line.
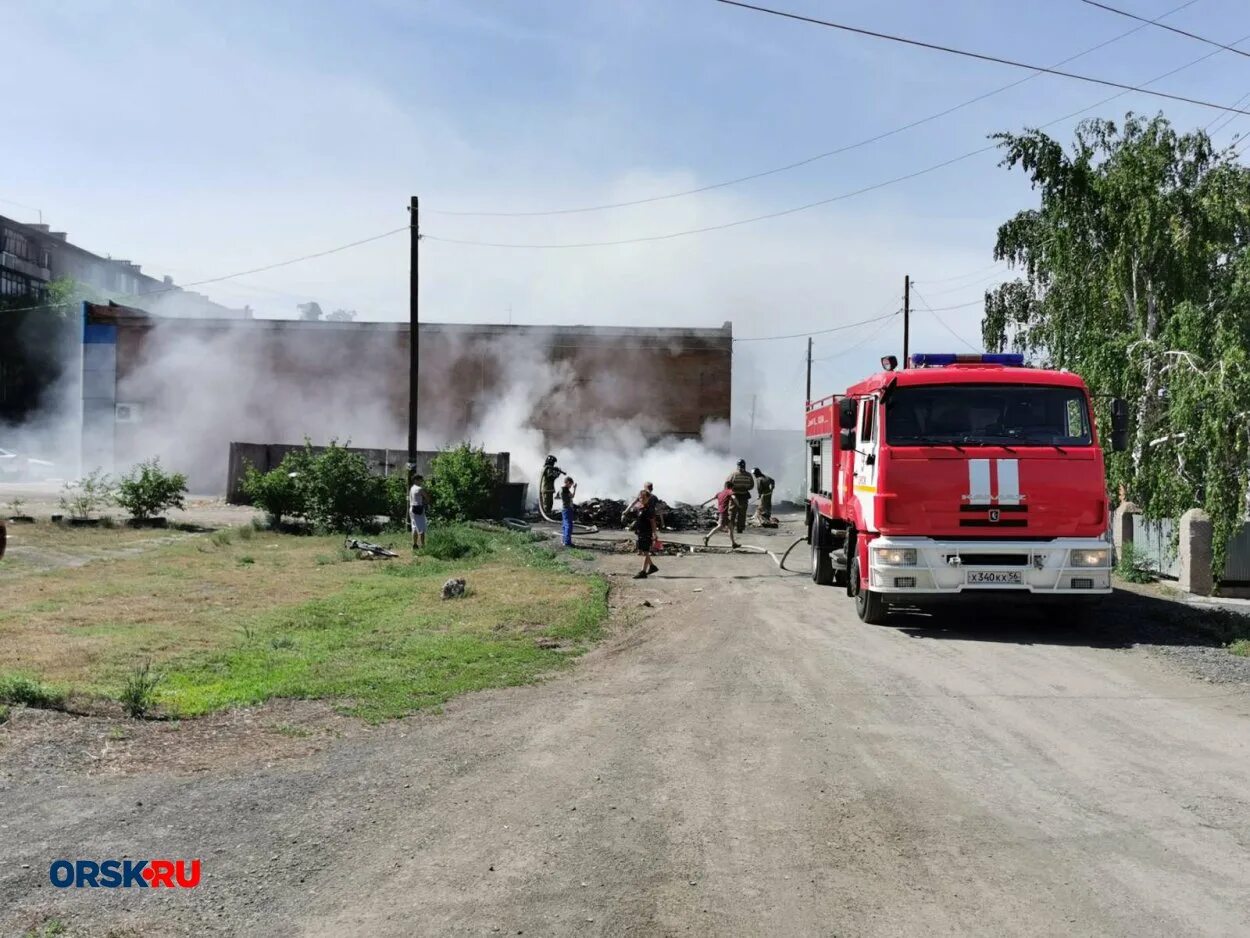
979,481
1008,481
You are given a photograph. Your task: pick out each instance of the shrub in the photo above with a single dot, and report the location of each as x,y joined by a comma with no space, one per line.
139,693
1132,566
462,484
90,493
395,493
340,493
147,490
278,492
21,690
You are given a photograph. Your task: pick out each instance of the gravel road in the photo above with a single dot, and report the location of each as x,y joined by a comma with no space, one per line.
746,759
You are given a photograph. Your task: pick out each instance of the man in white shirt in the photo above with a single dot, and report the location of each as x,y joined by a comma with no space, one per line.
418,502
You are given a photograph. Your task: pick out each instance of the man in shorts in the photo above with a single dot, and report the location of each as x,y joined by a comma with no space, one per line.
724,518
418,502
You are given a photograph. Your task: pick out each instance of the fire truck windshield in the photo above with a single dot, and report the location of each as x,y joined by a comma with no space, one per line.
989,414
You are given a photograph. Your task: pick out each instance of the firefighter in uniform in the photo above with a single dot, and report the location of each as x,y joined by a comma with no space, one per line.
547,485
764,486
742,483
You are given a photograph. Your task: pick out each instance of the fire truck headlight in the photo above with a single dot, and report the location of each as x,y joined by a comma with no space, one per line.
1099,557
895,556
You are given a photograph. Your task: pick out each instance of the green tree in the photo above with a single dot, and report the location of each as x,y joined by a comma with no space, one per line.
462,484
1136,274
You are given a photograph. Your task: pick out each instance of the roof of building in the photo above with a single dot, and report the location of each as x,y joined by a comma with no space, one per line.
117,313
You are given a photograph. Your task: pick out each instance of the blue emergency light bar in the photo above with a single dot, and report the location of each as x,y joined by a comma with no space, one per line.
933,360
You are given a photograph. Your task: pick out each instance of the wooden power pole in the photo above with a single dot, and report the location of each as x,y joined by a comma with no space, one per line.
414,344
809,370
906,317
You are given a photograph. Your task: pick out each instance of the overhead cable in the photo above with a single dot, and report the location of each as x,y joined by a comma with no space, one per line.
846,148
1171,29
804,335
982,56
809,205
942,322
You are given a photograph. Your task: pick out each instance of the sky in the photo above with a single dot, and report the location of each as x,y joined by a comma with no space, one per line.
205,139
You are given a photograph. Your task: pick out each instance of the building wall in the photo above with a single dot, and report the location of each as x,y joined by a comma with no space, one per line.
207,383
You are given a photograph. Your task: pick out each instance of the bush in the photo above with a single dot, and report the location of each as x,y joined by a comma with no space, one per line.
24,691
277,492
147,490
139,693
462,484
1132,567
340,493
395,493
90,493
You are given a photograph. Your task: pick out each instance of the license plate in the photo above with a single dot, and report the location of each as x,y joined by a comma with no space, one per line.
995,578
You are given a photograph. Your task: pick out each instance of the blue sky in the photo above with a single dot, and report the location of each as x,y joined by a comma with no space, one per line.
202,139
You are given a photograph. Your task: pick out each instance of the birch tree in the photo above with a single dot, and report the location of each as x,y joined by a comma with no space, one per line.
1134,271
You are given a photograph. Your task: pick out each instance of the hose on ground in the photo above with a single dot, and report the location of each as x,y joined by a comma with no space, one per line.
797,540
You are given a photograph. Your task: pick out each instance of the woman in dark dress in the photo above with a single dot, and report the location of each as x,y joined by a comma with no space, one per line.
644,526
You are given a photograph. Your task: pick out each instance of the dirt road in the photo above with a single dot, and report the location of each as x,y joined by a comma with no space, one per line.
749,759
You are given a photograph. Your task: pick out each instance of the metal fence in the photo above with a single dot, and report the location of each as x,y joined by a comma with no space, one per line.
1237,566
1153,545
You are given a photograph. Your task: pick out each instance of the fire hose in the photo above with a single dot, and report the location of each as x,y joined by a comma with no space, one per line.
782,563
579,528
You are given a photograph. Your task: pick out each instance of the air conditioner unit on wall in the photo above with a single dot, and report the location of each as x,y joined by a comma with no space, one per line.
127,413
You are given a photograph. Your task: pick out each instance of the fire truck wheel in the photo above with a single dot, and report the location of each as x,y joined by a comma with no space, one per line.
822,564
869,606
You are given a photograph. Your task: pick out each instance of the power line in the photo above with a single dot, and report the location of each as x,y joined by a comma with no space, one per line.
981,56
860,344
810,205
977,284
943,309
942,322
242,273
846,148
804,335
1171,29
964,276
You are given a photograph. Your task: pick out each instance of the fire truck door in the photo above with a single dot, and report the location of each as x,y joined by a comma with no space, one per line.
865,475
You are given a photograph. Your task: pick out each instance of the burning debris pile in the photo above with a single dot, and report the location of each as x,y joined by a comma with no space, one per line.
606,513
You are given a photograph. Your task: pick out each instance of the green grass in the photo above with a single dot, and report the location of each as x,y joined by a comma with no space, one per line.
374,636
1241,647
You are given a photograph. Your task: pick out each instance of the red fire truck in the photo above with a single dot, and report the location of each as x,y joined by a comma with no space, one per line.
959,476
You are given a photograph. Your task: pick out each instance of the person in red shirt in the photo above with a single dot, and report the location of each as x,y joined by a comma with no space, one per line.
724,505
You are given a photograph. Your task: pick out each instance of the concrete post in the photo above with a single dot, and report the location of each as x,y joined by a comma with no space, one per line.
1122,526
1195,551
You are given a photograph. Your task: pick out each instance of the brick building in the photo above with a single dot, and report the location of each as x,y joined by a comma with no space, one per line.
185,389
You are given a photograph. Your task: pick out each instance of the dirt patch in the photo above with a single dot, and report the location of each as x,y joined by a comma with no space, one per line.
41,742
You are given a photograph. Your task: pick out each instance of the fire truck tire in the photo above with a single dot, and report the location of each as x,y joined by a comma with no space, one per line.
869,606
822,564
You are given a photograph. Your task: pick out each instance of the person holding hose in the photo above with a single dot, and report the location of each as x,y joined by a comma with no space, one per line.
547,485
568,492
764,485
741,482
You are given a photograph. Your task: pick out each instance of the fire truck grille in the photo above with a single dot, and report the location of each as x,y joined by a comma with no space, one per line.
987,523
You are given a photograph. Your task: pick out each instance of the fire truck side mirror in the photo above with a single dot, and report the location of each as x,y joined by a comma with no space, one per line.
846,440
846,413
1119,425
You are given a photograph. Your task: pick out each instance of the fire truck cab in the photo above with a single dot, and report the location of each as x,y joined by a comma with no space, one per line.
959,476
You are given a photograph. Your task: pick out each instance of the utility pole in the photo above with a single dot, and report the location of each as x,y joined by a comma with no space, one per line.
906,317
414,343
808,399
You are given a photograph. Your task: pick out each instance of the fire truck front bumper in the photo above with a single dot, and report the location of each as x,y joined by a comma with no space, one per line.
922,566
